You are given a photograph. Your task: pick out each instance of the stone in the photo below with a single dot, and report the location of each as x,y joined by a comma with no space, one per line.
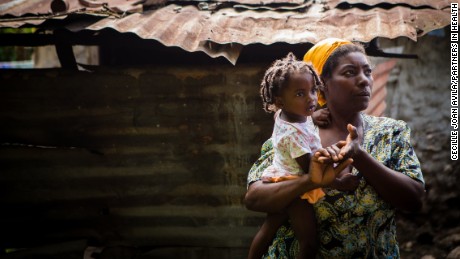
454,254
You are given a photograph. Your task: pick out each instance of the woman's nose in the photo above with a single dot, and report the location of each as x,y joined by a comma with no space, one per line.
364,80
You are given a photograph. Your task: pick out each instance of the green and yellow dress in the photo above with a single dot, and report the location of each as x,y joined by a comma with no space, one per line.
354,224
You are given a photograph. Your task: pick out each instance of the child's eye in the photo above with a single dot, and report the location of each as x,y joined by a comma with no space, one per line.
299,94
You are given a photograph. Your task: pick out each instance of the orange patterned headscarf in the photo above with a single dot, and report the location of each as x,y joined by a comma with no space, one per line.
318,55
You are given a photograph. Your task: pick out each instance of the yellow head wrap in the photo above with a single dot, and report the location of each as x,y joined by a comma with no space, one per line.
318,55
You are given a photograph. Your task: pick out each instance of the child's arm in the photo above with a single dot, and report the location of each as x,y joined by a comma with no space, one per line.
304,162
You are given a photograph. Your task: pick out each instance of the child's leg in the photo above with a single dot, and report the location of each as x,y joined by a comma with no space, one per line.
303,223
265,236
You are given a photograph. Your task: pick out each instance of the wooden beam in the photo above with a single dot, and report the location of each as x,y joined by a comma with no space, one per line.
64,49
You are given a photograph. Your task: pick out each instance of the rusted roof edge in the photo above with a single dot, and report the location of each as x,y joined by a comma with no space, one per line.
347,4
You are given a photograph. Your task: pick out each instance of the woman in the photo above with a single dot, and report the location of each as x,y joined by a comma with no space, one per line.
357,222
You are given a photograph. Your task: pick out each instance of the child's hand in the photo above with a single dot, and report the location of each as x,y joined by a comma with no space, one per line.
331,154
346,182
342,149
323,174
321,117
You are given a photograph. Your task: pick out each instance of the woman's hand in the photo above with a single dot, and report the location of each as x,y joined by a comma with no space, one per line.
321,117
332,153
351,145
346,182
323,174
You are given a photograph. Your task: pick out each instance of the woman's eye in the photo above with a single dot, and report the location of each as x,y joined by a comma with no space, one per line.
299,94
349,73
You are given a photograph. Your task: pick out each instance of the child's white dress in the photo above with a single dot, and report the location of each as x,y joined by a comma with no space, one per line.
290,141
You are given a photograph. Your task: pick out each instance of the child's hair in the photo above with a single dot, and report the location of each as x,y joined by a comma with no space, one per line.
277,76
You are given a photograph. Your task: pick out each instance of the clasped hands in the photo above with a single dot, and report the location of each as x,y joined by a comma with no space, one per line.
322,171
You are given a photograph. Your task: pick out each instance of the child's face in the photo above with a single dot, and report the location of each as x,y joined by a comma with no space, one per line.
299,97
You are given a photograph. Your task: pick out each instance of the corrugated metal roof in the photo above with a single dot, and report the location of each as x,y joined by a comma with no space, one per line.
20,8
190,28
221,32
440,4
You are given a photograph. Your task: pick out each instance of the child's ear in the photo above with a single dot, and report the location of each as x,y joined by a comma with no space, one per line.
278,102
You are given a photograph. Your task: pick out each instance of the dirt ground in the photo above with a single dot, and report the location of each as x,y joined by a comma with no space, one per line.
429,236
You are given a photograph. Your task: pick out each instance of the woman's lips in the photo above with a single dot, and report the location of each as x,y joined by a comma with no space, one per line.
365,93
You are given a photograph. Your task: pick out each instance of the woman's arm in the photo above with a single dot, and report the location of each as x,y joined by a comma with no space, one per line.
400,190
275,197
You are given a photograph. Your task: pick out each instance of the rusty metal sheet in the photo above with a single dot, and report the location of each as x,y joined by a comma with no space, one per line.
438,4
191,29
75,165
223,32
20,8
248,2
381,74
266,2
14,23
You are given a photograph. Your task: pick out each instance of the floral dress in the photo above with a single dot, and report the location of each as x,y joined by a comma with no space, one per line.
291,140
354,224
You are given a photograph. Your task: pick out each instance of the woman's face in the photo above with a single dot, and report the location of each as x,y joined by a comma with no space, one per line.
349,88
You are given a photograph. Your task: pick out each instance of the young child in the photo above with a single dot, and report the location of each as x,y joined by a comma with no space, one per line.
289,88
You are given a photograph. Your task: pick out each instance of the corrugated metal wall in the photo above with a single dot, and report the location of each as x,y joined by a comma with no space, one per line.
146,157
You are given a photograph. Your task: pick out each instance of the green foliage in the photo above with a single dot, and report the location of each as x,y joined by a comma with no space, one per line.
17,30
16,53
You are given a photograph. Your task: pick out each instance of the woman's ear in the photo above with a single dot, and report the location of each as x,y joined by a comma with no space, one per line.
325,83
